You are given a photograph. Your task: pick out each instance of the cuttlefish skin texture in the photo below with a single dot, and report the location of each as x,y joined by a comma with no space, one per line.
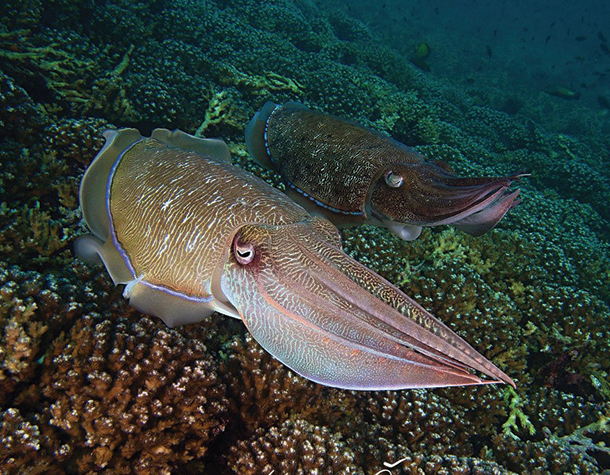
354,175
189,234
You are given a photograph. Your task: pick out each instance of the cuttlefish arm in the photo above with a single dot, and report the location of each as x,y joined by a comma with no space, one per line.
189,234
336,322
353,175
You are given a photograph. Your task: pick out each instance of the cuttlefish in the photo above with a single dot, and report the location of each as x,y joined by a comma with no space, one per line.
354,175
188,234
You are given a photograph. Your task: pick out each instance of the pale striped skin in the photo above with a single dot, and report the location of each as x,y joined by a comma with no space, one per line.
164,196
190,234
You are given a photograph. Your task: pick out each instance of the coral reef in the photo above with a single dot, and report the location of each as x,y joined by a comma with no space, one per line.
400,459
43,181
35,308
549,456
20,117
138,396
265,390
89,385
22,447
417,419
20,342
295,448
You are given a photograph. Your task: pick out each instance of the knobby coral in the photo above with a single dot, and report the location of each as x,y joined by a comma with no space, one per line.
294,448
133,396
265,390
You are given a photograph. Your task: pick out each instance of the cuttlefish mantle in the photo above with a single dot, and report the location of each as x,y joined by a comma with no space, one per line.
354,175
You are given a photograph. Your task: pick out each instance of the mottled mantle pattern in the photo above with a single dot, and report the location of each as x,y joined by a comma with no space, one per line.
533,295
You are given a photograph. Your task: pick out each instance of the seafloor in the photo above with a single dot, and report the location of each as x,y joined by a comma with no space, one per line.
90,385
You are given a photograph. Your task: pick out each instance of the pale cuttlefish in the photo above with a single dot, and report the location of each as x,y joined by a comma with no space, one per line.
354,175
189,234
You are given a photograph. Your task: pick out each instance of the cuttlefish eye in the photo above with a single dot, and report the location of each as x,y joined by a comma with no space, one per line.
243,252
393,180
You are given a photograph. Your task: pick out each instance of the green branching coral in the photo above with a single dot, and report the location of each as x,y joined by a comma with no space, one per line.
65,78
60,72
258,85
516,416
225,111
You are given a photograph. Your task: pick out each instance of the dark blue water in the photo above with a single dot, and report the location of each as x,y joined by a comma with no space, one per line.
513,48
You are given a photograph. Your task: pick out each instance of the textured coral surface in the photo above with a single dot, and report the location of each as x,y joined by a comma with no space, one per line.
89,385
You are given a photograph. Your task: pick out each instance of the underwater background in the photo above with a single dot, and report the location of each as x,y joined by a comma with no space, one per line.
90,385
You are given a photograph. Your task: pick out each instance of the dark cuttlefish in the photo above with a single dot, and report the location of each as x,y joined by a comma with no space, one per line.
354,175
189,234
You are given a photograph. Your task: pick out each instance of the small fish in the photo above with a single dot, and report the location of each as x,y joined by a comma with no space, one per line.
580,38
601,37
419,58
547,39
422,51
488,51
421,64
562,92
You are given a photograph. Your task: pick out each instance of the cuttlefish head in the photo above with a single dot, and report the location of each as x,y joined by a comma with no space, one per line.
407,196
336,322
